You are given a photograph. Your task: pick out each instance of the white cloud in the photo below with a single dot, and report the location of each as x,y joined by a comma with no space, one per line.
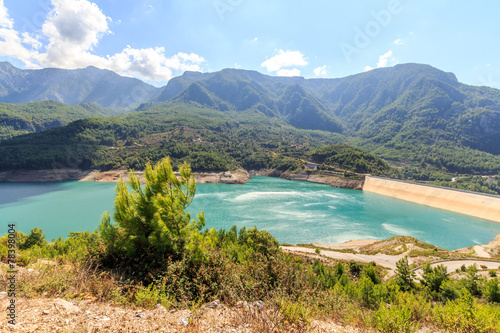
284,59
152,64
399,41
384,60
320,71
288,72
5,21
73,29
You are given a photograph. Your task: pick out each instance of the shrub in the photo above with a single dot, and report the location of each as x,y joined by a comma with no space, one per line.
370,272
395,319
295,312
467,316
493,291
404,276
151,296
433,279
35,238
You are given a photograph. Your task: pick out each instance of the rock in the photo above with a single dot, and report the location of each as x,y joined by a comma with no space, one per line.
214,304
258,305
45,312
160,307
140,315
65,306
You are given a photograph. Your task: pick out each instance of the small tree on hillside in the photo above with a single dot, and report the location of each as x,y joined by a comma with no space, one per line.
151,221
404,275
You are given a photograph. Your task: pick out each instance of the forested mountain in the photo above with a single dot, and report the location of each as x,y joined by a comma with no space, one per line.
87,85
412,115
17,119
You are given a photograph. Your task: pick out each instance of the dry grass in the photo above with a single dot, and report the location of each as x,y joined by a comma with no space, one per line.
86,316
56,297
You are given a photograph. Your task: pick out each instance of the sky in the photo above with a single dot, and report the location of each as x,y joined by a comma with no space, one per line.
155,40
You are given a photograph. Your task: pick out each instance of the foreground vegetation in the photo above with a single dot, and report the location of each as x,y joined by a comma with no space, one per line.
156,253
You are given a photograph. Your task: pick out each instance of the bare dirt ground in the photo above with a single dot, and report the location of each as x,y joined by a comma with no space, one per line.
58,315
379,258
233,177
389,260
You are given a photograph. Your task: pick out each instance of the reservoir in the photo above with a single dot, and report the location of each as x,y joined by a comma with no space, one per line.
292,211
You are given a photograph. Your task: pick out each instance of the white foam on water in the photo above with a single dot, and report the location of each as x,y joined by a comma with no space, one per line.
220,195
251,196
398,231
336,196
313,204
332,207
304,216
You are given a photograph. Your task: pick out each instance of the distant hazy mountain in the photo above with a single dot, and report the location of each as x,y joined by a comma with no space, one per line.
87,85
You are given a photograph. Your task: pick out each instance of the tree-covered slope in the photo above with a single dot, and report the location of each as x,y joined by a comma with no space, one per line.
238,90
208,139
412,115
17,119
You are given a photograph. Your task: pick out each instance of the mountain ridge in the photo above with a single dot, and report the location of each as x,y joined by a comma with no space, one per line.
409,113
85,85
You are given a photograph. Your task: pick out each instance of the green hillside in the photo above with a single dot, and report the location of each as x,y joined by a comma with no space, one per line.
208,139
17,119
415,117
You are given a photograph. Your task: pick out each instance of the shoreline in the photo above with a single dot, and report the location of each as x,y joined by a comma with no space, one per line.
239,176
480,205
486,207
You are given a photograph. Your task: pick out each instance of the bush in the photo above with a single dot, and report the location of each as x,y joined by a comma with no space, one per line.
404,276
35,238
370,272
395,319
433,278
493,291
296,313
465,315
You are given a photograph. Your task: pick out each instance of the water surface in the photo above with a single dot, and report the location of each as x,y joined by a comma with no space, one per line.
292,211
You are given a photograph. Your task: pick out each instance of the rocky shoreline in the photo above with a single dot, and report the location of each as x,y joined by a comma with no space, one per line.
341,182
239,176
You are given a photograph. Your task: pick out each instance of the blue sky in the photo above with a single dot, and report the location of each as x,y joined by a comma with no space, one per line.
155,40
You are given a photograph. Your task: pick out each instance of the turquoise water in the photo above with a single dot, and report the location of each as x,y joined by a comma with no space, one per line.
292,211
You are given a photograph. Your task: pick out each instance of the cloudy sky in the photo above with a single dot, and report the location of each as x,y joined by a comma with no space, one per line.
155,40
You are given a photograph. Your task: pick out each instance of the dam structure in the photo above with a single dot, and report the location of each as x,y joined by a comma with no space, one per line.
484,206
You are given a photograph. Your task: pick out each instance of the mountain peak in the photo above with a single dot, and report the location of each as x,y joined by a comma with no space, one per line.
89,84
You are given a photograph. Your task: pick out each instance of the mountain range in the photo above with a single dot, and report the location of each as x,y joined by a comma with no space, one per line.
409,113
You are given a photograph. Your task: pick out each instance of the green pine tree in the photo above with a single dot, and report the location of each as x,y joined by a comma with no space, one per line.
151,220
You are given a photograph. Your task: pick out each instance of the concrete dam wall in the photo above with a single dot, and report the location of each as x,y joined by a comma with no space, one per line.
474,204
